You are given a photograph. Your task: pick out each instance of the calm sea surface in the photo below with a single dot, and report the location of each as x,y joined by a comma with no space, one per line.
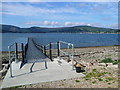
79,40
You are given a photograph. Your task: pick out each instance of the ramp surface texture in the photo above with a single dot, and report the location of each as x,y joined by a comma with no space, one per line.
33,54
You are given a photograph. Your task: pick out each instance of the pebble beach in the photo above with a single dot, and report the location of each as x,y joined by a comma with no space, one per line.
97,75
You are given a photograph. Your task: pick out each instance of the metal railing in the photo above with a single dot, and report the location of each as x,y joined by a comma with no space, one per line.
67,53
13,55
43,48
48,47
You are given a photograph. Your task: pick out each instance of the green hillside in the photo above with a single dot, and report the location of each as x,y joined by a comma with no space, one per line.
75,29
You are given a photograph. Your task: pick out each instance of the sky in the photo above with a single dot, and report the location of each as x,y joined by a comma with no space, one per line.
60,14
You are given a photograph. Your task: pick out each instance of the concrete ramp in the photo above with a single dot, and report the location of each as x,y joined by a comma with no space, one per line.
16,65
38,68
33,54
55,71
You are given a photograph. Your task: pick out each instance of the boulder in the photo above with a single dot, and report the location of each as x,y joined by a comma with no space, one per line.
115,66
109,64
115,58
5,65
102,64
112,66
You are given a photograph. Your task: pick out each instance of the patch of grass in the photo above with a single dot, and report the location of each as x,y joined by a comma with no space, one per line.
100,79
95,74
77,80
94,82
110,79
16,86
87,79
105,72
94,70
107,80
107,60
116,62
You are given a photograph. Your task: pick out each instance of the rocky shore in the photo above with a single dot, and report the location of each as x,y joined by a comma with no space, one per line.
5,64
98,74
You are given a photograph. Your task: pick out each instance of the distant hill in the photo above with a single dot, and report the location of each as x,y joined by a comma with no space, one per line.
75,29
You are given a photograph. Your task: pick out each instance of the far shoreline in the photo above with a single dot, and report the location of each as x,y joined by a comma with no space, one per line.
61,33
97,46
81,47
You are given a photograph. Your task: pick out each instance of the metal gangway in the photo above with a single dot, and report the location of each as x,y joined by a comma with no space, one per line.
33,52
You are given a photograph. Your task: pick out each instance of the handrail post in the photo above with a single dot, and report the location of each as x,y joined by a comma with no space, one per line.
10,61
58,46
46,65
50,51
16,52
26,46
22,47
72,56
59,51
44,50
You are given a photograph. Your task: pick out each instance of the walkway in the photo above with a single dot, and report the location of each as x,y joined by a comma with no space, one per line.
33,54
35,70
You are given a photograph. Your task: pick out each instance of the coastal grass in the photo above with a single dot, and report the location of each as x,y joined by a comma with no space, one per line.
95,74
109,60
100,79
16,86
98,76
116,62
77,81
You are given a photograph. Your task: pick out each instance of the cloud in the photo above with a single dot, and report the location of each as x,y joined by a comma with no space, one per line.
8,13
57,24
21,0
29,10
44,23
60,0
74,23
67,14
32,8
34,0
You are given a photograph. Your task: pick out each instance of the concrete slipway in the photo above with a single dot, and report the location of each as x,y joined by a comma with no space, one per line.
55,71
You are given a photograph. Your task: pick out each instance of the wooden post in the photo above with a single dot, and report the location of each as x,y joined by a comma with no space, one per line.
26,47
50,51
16,52
46,65
58,46
22,46
44,50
